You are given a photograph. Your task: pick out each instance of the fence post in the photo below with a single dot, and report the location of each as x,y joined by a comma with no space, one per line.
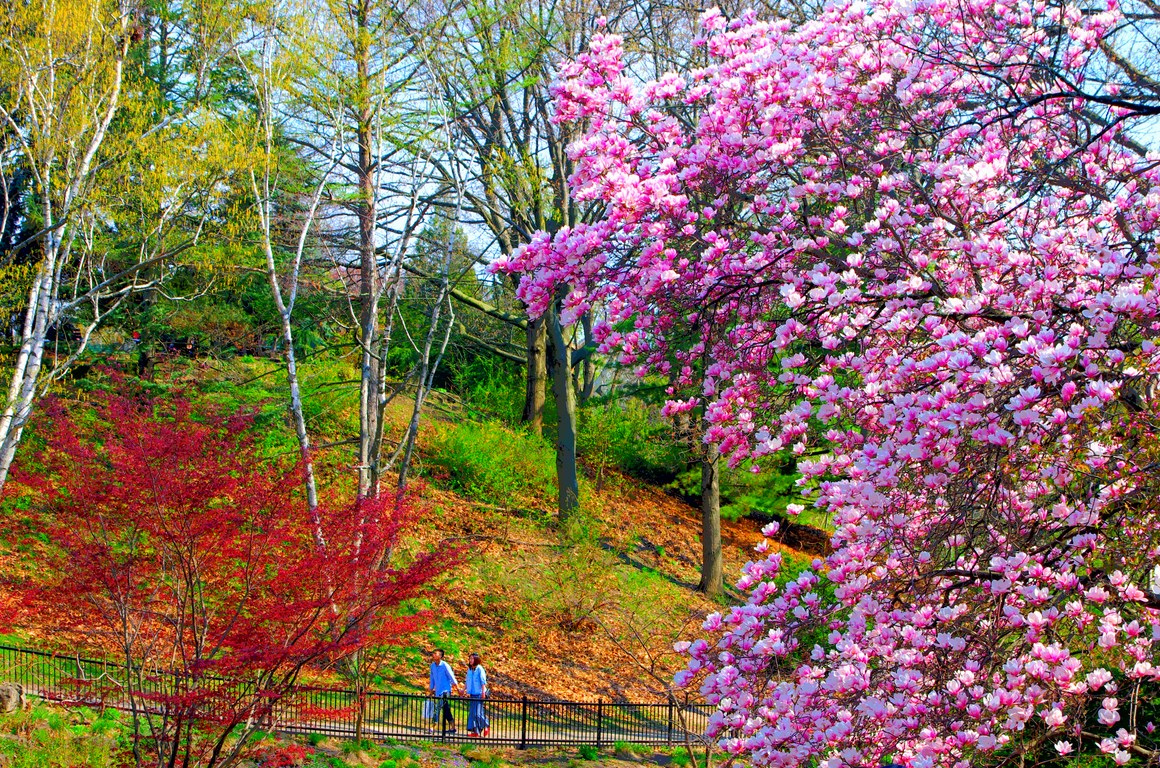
524,722
669,740
599,721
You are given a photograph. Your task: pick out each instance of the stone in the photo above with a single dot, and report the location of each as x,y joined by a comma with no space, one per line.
11,697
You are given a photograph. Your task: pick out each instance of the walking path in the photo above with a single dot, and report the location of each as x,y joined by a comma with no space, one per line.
333,711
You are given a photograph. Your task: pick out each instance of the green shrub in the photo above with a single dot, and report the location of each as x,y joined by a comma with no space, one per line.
314,739
588,752
762,495
388,764
632,437
45,737
352,746
681,757
491,389
217,326
492,463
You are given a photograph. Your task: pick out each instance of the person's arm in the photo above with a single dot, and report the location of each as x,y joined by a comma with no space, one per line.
482,682
431,680
451,676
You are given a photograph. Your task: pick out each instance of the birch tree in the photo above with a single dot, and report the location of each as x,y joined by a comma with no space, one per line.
64,62
268,68
77,112
358,58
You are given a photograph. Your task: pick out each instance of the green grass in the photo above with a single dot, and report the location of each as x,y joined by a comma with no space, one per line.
46,737
400,754
494,464
634,749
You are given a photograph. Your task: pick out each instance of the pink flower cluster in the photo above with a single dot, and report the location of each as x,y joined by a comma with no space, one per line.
897,232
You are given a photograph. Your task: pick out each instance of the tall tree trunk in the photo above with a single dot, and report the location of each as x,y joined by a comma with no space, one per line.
371,366
565,394
537,375
262,195
712,579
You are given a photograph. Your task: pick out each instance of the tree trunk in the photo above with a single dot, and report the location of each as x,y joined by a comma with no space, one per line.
285,317
427,371
537,375
361,716
565,394
712,580
26,372
589,363
370,426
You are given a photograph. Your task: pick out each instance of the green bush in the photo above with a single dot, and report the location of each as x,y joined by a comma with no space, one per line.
492,463
632,437
761,496
352,746
681,757
314,739
491,389
588,752
764,495
216,326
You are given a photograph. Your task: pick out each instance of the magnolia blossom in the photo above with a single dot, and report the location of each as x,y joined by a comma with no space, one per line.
897,233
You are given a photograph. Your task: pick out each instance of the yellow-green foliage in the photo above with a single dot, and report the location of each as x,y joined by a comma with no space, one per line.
15,280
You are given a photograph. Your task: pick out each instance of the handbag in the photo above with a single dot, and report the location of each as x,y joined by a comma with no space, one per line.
429,709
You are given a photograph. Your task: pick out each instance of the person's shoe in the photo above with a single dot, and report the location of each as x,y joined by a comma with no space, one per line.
472,734
486,732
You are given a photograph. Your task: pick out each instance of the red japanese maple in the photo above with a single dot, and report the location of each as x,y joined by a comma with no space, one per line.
200,567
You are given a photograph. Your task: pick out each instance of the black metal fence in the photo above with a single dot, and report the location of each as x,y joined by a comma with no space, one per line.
519,722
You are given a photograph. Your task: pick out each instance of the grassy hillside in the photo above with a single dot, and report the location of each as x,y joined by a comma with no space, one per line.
587,610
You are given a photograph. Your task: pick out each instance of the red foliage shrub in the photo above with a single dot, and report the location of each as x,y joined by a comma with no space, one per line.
281,756
173,547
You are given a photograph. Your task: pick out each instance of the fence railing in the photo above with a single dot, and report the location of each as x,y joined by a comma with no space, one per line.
521,722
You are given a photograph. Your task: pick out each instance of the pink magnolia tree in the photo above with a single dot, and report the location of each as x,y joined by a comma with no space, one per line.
919,237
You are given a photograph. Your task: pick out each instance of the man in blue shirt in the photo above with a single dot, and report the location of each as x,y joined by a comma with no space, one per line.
441,685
